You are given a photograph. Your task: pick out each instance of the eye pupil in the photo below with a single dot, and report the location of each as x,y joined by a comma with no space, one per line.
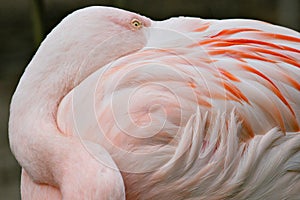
136,23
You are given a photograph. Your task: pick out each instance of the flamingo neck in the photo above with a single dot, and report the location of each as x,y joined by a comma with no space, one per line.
35,138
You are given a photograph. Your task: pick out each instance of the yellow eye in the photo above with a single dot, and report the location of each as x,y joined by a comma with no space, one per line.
137,24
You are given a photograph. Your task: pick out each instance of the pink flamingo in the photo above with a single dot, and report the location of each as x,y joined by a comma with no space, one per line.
117,106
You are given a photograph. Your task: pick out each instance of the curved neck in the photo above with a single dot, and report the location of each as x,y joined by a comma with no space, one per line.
57,68
34,136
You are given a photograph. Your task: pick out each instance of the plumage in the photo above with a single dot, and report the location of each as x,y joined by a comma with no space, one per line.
184,108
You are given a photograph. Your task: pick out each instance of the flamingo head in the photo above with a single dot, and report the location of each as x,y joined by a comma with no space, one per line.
89,38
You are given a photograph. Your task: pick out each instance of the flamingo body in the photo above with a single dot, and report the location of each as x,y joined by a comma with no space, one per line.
184,108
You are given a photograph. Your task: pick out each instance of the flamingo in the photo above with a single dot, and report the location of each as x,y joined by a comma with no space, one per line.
114,105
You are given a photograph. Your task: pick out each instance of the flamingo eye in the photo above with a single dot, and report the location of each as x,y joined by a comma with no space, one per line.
136,24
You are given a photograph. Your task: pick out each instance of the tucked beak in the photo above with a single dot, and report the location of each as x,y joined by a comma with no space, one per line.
162,35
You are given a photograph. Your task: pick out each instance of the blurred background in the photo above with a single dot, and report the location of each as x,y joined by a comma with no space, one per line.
24,23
